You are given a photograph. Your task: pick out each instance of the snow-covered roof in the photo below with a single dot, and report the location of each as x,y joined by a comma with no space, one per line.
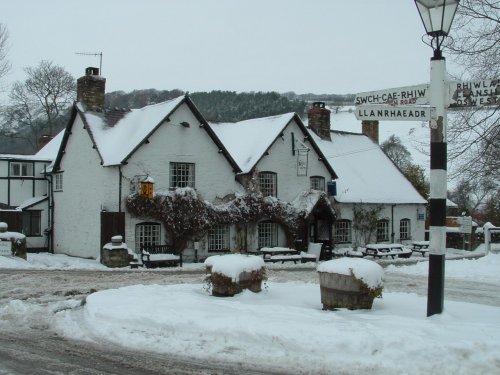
365,173
118,137
49,151
24,157
31,202
248,140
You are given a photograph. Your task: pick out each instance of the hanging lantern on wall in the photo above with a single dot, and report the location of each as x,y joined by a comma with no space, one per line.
147,187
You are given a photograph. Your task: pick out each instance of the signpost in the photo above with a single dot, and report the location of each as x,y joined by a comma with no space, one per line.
430,103
474,93
383,112
410,95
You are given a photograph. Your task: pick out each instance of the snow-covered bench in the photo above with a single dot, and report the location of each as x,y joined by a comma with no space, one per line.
386,250
154,256
421,247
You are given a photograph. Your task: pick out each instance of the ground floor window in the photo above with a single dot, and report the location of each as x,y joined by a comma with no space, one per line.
343,231
147,234
218,238
268,234
383,230
404,229
32,223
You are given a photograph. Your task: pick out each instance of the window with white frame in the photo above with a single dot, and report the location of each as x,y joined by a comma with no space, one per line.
267,234
21,169
267,184
404,229
343,231
32,223
318,183
146,234
382,230
58,182
218,238
182,175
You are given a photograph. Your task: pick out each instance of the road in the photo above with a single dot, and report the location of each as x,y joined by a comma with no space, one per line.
27,346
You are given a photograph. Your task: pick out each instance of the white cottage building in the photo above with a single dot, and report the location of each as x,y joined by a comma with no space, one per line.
106,157
162,175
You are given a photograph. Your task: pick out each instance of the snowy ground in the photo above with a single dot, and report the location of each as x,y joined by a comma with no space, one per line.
283,328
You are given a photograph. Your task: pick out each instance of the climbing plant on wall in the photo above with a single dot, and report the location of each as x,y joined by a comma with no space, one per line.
184,214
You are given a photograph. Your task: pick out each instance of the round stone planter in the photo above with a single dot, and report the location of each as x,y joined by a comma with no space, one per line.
346,288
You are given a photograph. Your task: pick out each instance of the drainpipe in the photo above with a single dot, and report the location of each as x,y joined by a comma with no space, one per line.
392,223
120,175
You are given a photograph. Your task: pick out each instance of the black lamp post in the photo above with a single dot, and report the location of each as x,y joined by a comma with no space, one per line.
437,17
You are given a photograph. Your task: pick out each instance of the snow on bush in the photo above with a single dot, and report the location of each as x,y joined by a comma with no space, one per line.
369,272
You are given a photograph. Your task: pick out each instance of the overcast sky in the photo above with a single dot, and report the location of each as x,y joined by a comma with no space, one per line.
319,46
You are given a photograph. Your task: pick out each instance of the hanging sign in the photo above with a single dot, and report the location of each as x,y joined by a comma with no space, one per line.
388,113
302,161
411,95
474,93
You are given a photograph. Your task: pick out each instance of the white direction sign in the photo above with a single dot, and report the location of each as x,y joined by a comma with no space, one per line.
401,113
416,95
475,93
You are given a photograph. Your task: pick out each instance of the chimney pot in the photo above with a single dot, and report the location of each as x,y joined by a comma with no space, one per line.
91,89
91,71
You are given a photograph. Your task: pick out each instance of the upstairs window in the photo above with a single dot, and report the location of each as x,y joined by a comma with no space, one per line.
267,184
181,175
58,182
383,230
21,169
318,183
404,229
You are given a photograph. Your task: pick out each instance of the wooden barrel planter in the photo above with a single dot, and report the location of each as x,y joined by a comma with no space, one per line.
233,273
350,283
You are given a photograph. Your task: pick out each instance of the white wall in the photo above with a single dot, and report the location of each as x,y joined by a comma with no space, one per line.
394,215
87,187
281,161
173,142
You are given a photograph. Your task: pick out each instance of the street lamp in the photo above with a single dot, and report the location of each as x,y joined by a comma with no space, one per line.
437,17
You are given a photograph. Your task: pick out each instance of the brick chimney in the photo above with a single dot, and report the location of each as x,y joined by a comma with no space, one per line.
43,140
90,90
319,120
370,129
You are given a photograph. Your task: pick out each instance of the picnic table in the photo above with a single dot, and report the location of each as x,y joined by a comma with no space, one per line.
280,254
392,250
421,247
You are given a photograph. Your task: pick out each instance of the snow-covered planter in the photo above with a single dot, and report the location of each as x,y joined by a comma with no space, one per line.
231,274
17,240
350,283
116,253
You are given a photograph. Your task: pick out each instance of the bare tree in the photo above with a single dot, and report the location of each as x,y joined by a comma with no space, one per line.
4,63
474,133
38,104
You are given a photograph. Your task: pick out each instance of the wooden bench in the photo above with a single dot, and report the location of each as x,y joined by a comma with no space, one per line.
280,254
154,256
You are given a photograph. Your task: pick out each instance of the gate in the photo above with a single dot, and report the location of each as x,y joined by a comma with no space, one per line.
14,220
